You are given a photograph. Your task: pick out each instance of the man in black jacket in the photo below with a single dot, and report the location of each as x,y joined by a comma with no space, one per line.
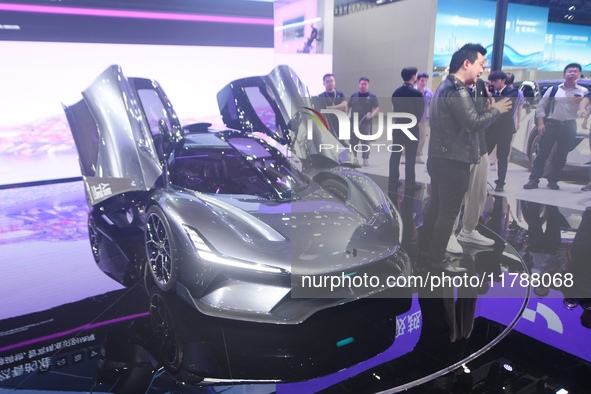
453,147
409,100
501,132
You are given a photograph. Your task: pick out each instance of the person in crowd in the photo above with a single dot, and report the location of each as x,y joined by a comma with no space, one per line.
518,106
475,197
408,100
362,106
584,112
422,80
557,125
501,133
453,147
517,109
331,98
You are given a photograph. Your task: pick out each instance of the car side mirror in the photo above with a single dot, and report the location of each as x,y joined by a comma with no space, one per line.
164,130
165,138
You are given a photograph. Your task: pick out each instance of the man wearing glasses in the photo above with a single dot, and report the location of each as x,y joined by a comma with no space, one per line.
557,125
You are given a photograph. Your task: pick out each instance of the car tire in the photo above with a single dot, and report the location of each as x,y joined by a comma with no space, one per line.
337,188
95,238
160,250
170,346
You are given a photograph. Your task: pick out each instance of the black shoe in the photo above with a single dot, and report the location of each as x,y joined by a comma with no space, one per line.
587,187
500,189
532,184
570,303
553,185
447,267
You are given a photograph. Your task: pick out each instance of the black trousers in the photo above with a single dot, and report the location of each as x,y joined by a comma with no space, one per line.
548,240
563,134
356,144
449,183
502,140
410,147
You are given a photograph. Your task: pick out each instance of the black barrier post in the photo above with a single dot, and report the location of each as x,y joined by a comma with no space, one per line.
499,37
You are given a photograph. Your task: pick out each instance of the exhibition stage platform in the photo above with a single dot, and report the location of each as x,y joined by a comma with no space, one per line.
66,326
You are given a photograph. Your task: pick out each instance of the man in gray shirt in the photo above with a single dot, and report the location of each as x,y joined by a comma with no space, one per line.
557,125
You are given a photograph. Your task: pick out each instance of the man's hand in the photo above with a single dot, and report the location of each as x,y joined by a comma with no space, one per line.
541,126
368,115
503,105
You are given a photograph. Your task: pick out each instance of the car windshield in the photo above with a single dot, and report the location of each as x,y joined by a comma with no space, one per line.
241,165
275,167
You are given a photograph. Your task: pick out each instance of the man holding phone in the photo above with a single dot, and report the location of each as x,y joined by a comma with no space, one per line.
557,125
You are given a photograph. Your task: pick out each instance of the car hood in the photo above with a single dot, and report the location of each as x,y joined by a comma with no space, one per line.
116,150
315,233
275,105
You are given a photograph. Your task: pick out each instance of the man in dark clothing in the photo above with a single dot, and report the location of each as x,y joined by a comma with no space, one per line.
331,98
454,146
363,106
406,99
501,132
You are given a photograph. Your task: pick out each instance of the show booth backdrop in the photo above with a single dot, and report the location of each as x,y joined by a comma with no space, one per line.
379,42
457,25
565,44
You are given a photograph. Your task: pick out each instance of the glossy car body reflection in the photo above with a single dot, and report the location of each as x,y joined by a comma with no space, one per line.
197,349
222,218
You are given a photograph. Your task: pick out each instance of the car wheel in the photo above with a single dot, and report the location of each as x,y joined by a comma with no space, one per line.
170,349
534,151
160,250
94,236
337,188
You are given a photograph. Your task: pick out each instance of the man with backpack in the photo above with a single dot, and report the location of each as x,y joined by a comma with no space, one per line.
556,115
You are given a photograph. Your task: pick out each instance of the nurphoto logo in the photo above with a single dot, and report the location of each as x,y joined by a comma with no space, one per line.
349,126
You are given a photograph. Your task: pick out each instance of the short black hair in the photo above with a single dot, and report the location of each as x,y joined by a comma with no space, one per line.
496,75
408,72
422,75
570,65
467,52
510,78
364,79
326,76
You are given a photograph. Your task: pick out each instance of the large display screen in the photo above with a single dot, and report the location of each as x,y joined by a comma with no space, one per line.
457,25
566,44
52,53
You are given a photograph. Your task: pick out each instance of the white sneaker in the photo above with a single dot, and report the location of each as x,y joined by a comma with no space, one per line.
475,238
453,246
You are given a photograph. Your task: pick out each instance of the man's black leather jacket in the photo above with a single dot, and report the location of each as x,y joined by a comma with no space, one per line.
455,123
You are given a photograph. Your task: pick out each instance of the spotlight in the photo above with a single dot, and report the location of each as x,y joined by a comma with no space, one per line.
572,8
562,391
508,367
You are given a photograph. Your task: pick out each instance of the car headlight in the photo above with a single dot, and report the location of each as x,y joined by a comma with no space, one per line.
204,252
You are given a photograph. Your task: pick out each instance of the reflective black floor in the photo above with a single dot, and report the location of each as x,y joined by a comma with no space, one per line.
66,326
